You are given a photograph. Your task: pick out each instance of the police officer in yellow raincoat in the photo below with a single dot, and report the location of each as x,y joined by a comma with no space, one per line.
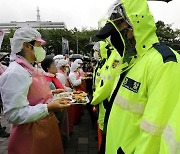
105,77
100,53
148,87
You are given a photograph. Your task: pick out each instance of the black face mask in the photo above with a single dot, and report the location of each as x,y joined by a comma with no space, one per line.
130,51
128,42
117,42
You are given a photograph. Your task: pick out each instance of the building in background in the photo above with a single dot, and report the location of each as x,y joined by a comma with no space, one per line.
38,24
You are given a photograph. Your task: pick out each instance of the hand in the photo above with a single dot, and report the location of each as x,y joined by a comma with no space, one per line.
89,73
83,78
57,91
58,105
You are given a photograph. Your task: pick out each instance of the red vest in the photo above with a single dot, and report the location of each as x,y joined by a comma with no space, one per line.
55,81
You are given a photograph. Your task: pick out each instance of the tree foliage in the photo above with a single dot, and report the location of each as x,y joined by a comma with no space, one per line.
54,38
167,35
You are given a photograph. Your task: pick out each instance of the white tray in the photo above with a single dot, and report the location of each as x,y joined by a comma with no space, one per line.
69,96
73,102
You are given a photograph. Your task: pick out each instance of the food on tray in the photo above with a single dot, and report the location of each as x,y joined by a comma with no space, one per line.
77,91
64,94
83,94
57,91
66,100
75,96
81,100
79,96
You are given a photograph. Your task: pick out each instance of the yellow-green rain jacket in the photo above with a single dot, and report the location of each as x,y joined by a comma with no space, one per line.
149,91
170,142
104,88
97,70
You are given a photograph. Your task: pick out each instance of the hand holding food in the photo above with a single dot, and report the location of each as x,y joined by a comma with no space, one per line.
83,78
65,100
58,105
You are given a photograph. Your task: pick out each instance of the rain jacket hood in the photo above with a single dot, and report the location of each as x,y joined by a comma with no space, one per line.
139,17
143,24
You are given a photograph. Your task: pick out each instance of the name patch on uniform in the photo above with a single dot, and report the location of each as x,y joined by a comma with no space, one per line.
131,84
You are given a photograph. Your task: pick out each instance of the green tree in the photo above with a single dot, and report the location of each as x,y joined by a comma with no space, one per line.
167,35
54,38
6,42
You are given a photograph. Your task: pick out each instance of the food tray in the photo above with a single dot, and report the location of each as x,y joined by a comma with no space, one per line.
73,102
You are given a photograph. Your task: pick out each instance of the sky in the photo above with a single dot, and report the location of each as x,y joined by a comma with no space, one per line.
79,13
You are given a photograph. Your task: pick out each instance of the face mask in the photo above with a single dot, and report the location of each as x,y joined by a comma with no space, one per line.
117,42
96,55
66,70
39,53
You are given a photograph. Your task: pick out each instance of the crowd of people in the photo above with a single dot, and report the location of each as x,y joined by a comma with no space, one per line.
134,89
27,88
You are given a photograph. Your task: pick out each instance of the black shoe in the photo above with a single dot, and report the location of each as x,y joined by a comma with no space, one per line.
4,134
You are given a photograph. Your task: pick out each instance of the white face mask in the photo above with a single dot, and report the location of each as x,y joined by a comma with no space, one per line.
96,55
39,53
66,70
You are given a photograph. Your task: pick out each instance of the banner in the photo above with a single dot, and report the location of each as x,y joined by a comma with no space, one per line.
1,37
65,46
